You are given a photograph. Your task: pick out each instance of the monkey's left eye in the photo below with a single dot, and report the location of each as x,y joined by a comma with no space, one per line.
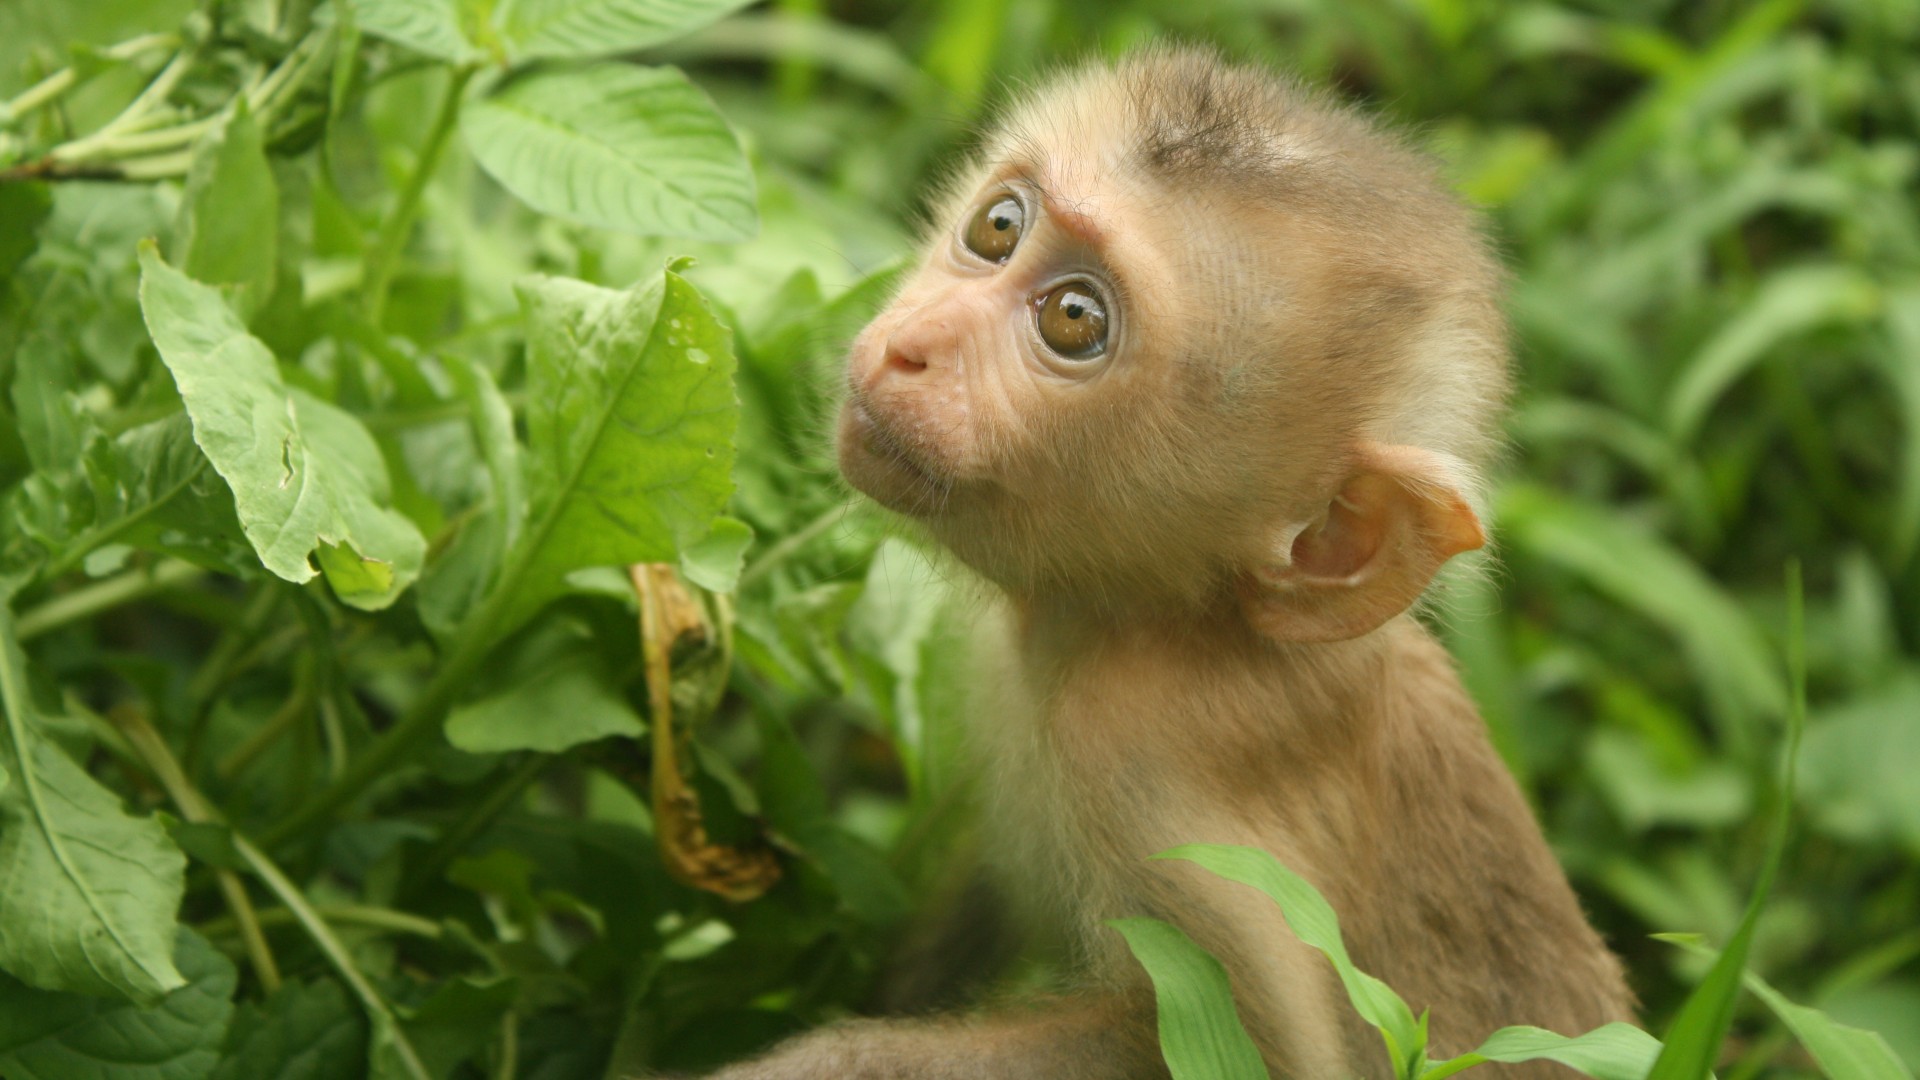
995,229
1073,321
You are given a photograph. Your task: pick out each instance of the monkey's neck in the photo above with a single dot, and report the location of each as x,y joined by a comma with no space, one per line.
1209,663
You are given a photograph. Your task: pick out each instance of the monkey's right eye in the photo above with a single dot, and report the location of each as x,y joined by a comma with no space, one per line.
995,229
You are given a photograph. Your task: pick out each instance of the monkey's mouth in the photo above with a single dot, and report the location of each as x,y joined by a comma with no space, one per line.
882,463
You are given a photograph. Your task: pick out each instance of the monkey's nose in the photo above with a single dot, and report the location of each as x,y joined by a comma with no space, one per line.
897,360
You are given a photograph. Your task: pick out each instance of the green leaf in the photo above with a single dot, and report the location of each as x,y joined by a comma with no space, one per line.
1790,302
714,562
1693,1038
306,476
1844,1053
229,224
1857,770
631,417
453,583
429,26
1313,921
573,28
557,694
88,891
302,1031
54,1036
635,149
1609,1052
1200,1033
1642,572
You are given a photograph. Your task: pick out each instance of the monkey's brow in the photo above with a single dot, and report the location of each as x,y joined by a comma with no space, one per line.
1071,215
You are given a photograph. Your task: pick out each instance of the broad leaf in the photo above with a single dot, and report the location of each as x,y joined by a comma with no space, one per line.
1200,1033
307,479
1313,921
53,1036
636,149
303,1031
631,416
429,26
229,223
534,28
555,693
89,892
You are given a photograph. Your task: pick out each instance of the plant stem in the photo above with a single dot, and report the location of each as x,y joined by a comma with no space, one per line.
383,257
367,915
419,722
90,600
160,761
455,840
58,83
383,1020
787,545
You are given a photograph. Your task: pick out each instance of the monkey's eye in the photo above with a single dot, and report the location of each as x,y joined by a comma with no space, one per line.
995,229
1073,321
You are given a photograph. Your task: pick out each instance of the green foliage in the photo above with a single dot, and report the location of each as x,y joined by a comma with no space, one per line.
313,525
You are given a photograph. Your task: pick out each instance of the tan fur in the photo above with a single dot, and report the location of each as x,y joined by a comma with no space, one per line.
1205,547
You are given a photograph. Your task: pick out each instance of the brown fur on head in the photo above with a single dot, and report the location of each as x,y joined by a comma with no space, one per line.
1296,305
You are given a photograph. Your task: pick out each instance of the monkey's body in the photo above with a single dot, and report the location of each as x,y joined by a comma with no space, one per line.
1365,769
1199,371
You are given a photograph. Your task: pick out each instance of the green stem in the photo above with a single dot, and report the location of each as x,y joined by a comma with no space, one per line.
384,1022
364,915
165,768
787,545
477,819
58,83
90,600
383,257
419,722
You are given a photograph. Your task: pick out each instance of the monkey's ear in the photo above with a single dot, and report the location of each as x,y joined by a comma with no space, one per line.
1397,518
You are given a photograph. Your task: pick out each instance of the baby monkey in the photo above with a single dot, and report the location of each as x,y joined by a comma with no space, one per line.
1199,370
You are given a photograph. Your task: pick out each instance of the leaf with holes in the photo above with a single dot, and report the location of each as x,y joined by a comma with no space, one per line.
307,479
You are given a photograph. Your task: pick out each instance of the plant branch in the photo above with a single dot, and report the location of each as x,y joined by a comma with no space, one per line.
90,600
195,808
53,86
384,256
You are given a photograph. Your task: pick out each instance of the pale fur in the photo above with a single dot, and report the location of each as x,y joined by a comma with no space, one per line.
1302,299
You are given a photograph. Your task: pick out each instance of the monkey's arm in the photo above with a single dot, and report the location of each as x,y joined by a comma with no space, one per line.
1106,1038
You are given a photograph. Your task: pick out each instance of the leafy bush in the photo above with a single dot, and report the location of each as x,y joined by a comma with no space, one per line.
350,354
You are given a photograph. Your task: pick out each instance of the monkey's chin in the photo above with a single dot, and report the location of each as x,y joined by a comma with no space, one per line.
877,466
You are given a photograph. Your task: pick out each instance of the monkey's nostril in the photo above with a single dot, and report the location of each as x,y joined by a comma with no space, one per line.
901,362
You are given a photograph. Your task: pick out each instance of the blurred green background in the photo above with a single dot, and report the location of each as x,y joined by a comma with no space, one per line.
1709,210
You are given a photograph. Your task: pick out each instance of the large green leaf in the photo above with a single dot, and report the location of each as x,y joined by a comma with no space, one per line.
1313,921
229,223
555,28
302,1031
88,892
636,149
1609,1052
554,693
55,1036
1200,1033
630,418
433,27
307,479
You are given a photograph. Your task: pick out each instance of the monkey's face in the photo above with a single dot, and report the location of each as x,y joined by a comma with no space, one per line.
1044,392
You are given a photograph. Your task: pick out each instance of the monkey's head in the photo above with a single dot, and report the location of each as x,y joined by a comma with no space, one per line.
1189,335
